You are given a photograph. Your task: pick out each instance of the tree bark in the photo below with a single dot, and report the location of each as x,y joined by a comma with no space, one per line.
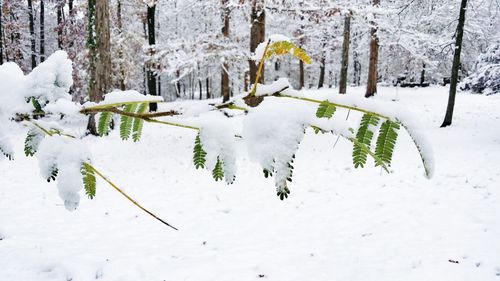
322,69
32,34
371,87
422,75
456,66
42,31
207,83
345,55
1,33
225,89
60,10
100,54
121,76
301,75
257,35
151,71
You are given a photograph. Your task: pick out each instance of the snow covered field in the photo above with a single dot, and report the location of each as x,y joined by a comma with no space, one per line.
339,223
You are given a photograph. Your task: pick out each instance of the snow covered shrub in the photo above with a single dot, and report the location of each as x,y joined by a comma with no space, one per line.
486,79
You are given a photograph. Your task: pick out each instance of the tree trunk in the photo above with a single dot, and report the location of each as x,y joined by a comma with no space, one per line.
200,84
121,76
257,35
371,87
100,55
422,75
32,34
225,89
207,83
151,71
456,65
322,69
42,31
345,55
60,10
1,33
301,75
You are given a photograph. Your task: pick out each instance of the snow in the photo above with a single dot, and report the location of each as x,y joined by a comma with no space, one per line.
218,140
339,223
276,86
65,154
117,97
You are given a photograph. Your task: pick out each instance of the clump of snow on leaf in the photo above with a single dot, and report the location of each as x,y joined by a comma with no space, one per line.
66,155
52,79
273,132
218,141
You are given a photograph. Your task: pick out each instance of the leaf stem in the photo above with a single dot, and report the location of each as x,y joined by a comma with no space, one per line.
261,65
128,197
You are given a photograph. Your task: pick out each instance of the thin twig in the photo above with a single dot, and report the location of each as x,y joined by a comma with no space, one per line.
128,197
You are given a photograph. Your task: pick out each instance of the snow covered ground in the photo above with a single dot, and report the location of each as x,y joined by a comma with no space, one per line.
339,223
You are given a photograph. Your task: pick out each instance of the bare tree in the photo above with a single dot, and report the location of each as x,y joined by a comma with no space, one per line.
32,34
456,65
42,31
345,54
151,75
257,34
225,89
371,87
100,55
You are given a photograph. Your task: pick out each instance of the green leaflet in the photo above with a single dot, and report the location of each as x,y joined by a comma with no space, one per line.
283,191
386,141
364,136
6,154
126,121
103,123
53,173
198,153
32,142
218,171
137,123
89,180
325,110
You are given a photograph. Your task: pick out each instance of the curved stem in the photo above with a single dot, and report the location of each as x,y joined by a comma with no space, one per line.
336,104
128,197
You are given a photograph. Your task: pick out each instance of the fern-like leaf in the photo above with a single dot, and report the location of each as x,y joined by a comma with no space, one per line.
386,141
198,153
218,171
280,48
283,191
104,123
54,171
89,180
138,123
32,142
325,110
126,121
364,136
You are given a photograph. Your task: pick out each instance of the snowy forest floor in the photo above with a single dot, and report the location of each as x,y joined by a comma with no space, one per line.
339,223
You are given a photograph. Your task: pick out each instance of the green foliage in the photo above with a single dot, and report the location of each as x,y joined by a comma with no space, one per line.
218,171
280,48
126,121
104,123
386,141
326,110
89,180
32,142
283,192
6,154
198,153
138,123
54,171
364,136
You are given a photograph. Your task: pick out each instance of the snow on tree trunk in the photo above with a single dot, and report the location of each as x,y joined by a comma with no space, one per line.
371,87
257,35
